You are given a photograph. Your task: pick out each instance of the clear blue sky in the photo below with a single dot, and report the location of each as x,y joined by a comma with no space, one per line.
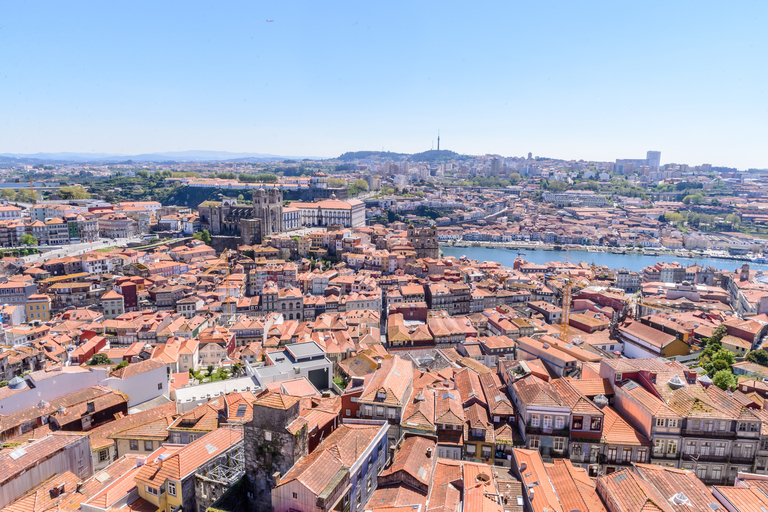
592,80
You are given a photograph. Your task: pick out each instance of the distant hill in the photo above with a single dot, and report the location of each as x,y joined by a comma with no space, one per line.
175,156
361,155
434,155
431,156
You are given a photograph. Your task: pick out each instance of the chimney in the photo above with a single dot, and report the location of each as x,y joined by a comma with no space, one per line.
392,451
429,453
90,407
276,478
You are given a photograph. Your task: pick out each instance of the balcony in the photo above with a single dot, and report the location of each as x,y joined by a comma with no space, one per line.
541,431
741,460
716,434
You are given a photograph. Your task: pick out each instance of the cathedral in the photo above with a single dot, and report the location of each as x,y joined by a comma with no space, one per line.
252,223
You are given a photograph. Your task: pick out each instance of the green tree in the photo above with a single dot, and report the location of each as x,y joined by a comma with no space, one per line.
74,193
759,356
27,239
122,364
3,383
204,236
733,219
336,182
361,185
99,359
240,197
717,336
515,178
724,379
724,355
8,194
25,195
673,217
142,173
227,175
265,178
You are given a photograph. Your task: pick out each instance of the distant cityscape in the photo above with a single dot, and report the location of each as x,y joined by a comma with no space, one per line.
382,332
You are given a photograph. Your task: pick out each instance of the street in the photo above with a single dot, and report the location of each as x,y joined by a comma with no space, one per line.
77,249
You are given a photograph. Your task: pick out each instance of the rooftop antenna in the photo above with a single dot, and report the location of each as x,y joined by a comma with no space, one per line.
438,139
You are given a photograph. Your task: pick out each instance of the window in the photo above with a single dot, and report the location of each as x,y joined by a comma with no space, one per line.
753,427
471,449
658,446
659,422
369,485
159,386
708,426
720,449
618,377
705,448
701,472
103,455
172,488
690,447
379,410
558,444
391,413
577,422
193,437
134,445
535,442
626,455
559,422
151,490
720,426
747,451
359,498
295,496
672,423
641,455
672,447
147,446
717,472
547,422
695,425
267,435
612,454
348,412
486,452
596,424
535,420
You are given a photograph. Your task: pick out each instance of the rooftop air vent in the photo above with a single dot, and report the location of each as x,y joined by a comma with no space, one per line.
676,382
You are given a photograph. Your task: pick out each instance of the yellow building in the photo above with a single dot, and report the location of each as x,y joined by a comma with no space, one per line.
38,307
167,480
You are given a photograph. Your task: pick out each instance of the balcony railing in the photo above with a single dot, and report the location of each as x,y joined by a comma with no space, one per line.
741,459
718,434
541,431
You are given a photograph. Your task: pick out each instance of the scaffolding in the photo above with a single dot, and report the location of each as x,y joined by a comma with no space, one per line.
227,472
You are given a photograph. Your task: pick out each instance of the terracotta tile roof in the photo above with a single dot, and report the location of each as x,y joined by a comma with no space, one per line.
336,453
186,460
591,387
496,397
534,391
420,411
412,459
384,498
617,431
39,499
391,380
469,386
626,491
101,436
648,401
670,481
578,403
276,401
575,493
134,369
545,498
448,408
10,466
743,499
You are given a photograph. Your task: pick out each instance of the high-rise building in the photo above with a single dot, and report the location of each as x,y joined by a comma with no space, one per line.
654,159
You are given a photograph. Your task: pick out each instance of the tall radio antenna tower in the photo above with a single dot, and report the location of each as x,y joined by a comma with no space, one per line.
438,140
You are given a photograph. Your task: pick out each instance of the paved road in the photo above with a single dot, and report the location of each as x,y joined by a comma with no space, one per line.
77,249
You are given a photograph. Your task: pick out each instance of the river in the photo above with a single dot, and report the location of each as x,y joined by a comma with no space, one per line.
634,262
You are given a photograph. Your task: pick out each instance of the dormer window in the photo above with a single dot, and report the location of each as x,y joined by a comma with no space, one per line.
618,377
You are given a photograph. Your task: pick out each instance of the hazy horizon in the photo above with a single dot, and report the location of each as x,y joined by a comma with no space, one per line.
596,81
